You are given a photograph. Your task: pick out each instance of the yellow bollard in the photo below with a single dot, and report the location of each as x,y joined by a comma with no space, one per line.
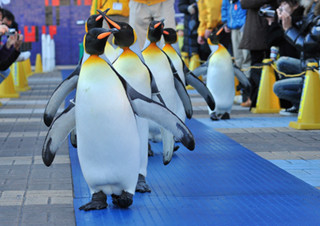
27,67
21,82
38,67
194,62
7,88
267,100
185,58
236,83
309,110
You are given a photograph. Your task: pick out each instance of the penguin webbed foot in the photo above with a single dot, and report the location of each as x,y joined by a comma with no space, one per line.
124,200
142,185
150,152
214,117
225,116
98,201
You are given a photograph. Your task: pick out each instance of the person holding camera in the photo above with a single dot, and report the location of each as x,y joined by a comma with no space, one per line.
10,51
305,37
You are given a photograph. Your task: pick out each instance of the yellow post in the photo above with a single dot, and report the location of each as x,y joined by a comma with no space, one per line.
27,67
194,62
38,67
21,83
7,88
185,58
267,101
309,110
236,83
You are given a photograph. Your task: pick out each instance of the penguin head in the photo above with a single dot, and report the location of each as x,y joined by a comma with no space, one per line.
95,40
214,37
94,21
170,35
155,30
125,36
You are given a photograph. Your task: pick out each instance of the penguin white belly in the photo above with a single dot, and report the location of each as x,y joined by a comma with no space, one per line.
137,75
107,136
177,63
161,70
220,80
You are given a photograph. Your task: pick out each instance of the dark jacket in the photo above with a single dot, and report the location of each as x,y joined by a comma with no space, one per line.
306,37
255,28
191,23
276,36
7,58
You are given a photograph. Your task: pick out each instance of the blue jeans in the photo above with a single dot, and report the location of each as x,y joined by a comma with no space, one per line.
289,88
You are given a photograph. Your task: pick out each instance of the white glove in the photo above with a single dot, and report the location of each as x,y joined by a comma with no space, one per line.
192,9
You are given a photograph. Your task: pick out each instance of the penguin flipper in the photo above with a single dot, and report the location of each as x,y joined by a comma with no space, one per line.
147,108
59,95
201,70
202,89
184,96
57,134
241,77
181,90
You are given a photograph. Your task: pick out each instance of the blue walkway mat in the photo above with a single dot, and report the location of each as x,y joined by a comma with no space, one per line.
219,183
249,122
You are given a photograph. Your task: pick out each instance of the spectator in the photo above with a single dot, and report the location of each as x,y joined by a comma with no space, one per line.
255,40
190,46
9,52
119,9
142,12
305,37
234,17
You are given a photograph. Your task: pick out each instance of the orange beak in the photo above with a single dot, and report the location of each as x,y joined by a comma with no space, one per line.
113,23
103,35
165,32
219,31
98,18
157,25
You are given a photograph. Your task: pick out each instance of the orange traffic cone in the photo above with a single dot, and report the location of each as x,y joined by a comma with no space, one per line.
267,101
7,88
309,110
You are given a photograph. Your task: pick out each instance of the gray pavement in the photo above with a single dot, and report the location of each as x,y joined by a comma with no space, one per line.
33,194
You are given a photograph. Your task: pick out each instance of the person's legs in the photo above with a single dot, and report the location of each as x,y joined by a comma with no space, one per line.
289,65
289,89
139,19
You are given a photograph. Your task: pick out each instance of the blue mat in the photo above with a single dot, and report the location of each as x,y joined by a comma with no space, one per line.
249,122
220,183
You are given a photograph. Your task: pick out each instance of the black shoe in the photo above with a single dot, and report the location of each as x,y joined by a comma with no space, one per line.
289,111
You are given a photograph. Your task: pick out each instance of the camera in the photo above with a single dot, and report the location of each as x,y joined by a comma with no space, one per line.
267,11
11,31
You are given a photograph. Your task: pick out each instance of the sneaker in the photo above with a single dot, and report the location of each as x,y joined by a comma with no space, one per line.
247,103
289,111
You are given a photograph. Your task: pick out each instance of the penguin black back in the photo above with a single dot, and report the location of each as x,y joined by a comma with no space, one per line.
155,30
170,35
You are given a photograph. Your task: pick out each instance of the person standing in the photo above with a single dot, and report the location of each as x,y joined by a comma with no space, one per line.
142,12
119,9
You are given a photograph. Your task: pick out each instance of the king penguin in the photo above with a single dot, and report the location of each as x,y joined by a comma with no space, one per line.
159,64
220,79
108,140
137,76
187,77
